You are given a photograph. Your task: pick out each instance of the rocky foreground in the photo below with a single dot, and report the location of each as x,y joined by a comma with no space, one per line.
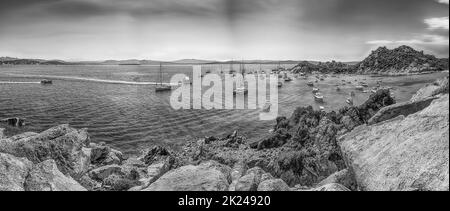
379,145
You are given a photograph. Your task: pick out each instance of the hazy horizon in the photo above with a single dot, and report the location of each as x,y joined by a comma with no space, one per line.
219,30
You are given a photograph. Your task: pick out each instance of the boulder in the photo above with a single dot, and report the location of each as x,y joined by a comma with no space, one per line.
116,182
273,185
344,177
103,172
154,172
15,122
208,176
349,123
63,144
238,170
22,136
402,154
250,181
400,109
331,187
155,154
45,176
266,176
118,178
105,155
2,134
13,172
438,87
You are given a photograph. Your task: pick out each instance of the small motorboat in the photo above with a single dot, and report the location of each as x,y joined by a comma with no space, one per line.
310,83
280,84
364,84
315,90
318,97
187,80
287,79
359,88
266,107
46,82
349,101
240,90
163,88
373,91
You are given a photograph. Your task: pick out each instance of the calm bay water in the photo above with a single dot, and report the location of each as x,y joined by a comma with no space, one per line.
132,116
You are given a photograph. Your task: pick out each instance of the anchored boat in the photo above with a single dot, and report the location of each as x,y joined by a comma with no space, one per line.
46,82
266,107
318,98
350,101
280,84
162,87
359,88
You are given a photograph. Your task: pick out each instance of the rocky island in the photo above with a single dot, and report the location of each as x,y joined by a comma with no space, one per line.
403,60
378,145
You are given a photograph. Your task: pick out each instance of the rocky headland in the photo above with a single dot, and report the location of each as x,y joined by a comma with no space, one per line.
379,145
403,60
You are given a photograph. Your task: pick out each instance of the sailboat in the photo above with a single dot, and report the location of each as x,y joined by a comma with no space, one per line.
162,87
286,77
240,89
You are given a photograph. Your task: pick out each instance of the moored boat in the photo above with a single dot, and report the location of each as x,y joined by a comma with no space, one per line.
162,87
318,98
349,101
280,84
359,88
46,81
266,107
240,90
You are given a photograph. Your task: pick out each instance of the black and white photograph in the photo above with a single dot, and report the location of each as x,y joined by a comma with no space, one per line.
253,96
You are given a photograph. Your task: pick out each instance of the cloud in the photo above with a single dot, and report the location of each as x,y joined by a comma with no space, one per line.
380,42
427,39
437,23
443,1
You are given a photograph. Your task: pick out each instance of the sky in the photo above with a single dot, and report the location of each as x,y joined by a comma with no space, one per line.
342,30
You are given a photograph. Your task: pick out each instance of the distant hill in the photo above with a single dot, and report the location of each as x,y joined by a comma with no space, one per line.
398,61
192,61
401,60
324,67
17,61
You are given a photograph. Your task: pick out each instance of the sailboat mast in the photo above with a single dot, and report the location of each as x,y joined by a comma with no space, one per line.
160,74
